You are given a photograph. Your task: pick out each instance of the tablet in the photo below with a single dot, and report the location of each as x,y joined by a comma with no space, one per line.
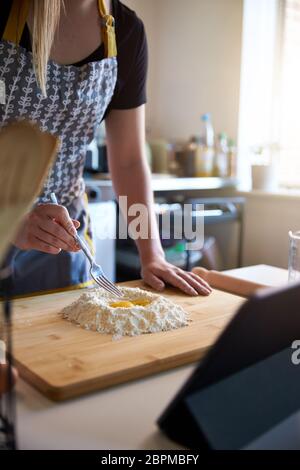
247,383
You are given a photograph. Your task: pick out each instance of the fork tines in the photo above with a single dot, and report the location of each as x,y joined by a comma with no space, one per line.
107,285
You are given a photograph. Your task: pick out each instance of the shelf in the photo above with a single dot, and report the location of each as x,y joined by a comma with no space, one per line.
164,183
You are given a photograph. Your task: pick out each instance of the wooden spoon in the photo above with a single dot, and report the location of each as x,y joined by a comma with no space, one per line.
26,155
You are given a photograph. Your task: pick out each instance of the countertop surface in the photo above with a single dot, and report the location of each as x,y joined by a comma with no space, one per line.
163,184
124,417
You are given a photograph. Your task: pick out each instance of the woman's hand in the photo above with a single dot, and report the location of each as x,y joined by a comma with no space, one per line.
48,228
157,273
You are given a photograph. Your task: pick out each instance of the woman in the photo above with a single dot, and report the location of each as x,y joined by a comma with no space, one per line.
40,39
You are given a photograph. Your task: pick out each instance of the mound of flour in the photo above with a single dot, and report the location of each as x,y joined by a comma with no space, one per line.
93,311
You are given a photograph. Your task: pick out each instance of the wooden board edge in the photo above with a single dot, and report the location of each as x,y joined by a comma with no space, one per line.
63,393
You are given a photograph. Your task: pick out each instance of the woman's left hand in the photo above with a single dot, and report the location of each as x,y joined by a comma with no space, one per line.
157,273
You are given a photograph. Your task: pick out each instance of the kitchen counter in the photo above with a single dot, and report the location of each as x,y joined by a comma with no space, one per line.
124,417
164,184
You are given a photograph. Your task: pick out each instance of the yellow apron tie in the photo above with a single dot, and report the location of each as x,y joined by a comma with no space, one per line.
108,31
16,21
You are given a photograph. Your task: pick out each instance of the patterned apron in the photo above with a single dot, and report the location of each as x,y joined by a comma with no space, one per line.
77,98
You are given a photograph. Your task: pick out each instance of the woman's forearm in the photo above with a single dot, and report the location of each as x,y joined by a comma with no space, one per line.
130,171
134,181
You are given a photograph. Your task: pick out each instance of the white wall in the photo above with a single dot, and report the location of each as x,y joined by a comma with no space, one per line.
146,10
267,223
195,59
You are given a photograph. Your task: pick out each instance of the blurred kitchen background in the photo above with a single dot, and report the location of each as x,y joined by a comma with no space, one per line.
222,130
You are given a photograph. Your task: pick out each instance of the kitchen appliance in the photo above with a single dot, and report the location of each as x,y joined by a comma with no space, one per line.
96,161
96,158
96,155
224,221
47,352
173,243
223,229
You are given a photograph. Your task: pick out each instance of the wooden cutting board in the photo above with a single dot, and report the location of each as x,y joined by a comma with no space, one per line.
63,360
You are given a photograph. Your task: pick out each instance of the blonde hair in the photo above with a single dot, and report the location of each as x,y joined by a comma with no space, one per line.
46,14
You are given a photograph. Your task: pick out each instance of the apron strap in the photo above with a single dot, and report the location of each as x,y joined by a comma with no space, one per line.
108,30
16,21
19,14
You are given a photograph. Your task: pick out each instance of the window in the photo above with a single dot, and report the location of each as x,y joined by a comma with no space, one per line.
289,96
270,86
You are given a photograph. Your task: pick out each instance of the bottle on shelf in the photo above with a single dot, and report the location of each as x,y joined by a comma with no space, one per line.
232,159
186,157
220,166
207,134
205,147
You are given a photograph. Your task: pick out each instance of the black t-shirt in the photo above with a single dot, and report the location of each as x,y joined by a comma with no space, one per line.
130,91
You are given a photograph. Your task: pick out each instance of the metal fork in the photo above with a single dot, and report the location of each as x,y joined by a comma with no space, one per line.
96,271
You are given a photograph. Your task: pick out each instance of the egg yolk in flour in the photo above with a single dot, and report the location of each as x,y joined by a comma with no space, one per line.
131,303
